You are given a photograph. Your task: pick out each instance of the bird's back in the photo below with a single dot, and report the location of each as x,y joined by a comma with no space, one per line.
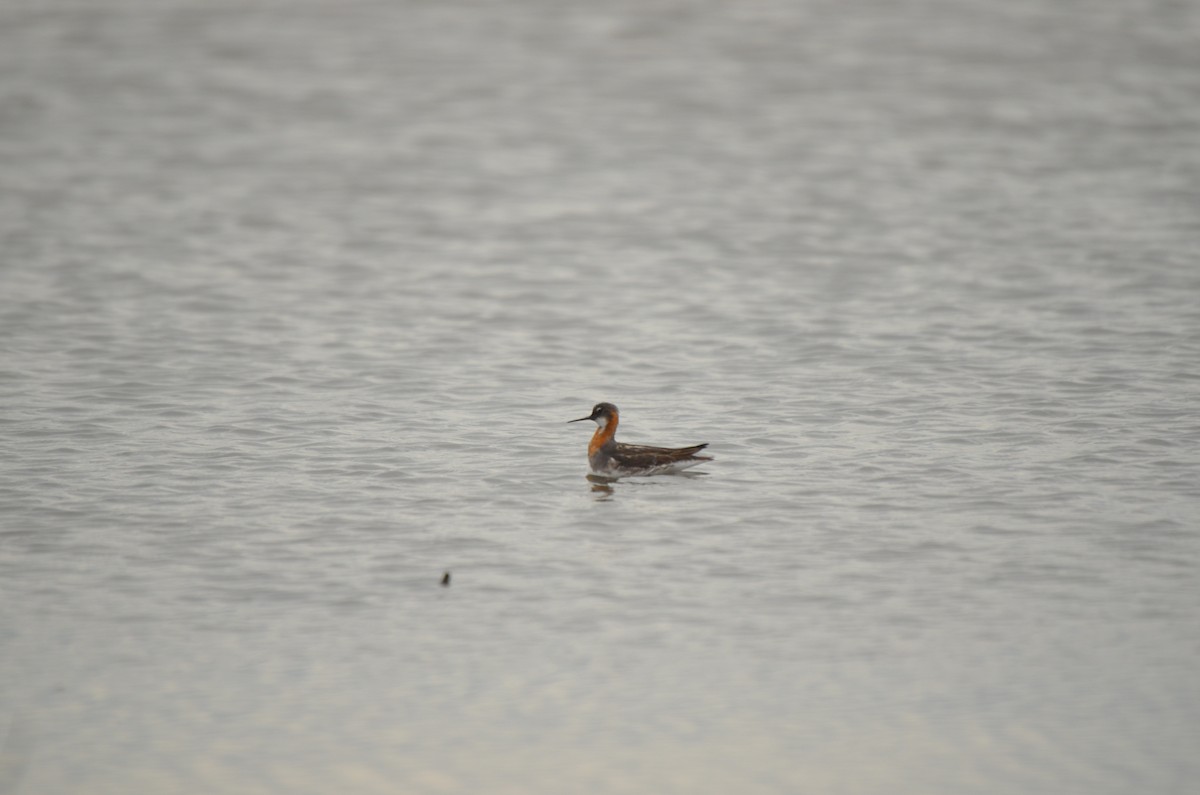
643,458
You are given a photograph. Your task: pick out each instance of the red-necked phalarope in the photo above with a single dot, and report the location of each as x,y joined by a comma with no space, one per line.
612,458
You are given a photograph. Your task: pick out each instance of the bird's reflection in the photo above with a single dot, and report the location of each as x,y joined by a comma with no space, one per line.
602,487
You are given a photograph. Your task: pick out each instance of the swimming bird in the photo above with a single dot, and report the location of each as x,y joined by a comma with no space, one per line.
609,457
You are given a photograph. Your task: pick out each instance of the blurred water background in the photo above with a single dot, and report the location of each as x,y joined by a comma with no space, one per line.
296,298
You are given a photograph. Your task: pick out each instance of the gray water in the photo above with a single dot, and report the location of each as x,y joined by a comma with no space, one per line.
296,298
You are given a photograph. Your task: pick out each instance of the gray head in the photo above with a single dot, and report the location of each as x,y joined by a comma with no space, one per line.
602,414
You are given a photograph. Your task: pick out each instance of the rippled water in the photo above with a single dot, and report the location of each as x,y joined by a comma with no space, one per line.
297,298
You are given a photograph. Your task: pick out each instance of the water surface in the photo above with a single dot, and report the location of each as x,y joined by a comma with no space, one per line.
297,298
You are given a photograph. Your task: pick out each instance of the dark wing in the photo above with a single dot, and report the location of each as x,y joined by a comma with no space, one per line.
642,456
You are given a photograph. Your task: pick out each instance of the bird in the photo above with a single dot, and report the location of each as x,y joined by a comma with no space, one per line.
611,458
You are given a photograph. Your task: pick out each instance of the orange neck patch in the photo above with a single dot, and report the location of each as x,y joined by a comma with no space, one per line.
602,435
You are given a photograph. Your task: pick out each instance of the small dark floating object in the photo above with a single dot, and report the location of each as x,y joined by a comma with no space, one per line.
445,578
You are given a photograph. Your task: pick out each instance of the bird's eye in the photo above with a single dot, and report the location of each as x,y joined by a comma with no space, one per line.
597,410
